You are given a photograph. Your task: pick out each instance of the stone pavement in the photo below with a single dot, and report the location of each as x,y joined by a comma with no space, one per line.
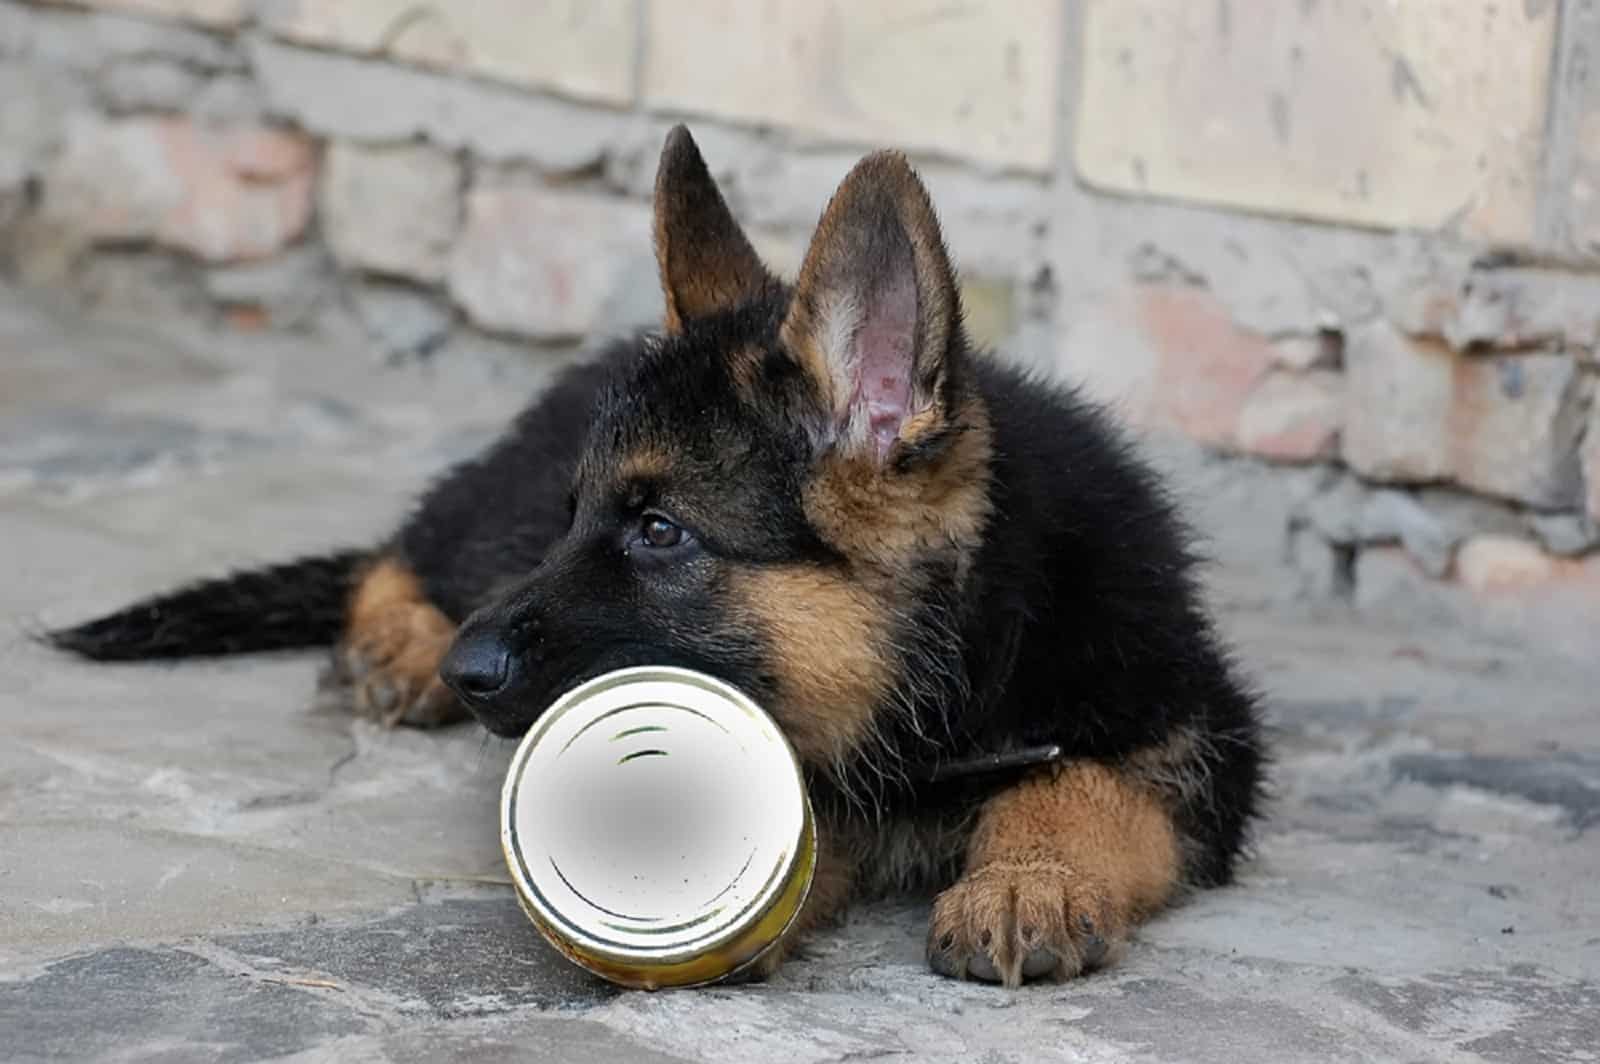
201,863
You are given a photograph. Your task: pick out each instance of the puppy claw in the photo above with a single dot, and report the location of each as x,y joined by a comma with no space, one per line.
1011,922
381,698
352,665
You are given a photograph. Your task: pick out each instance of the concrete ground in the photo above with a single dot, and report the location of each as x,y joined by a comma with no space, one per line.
202,863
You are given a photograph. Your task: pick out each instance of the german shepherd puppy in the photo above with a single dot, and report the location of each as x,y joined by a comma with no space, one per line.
911,555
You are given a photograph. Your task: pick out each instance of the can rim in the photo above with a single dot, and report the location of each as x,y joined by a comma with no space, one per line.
751,926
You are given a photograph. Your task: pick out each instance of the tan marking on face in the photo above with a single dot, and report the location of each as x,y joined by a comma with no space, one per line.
644,464
744,366
826,636
886,519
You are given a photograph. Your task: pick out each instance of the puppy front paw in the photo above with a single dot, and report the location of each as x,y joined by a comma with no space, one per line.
1011,921
390,665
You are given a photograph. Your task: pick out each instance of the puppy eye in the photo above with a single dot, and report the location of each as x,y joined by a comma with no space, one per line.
657,531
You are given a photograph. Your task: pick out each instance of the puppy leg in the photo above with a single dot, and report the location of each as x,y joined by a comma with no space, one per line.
1059,869
391,649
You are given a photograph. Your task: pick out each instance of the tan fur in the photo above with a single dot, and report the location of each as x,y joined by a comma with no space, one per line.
827,634
392,646
642,464
1061,865
744,365
885,521
1177,771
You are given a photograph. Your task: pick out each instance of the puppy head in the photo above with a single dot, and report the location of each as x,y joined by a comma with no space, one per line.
786,487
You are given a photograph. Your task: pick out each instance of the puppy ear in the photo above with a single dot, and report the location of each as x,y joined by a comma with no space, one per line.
875,319
707,265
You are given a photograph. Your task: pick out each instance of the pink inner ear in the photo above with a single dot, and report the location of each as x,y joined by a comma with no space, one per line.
883,363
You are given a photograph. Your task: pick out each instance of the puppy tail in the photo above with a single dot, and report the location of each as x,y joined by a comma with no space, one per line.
281,607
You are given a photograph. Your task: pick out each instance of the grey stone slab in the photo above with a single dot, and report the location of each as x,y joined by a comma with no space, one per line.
75,883
523,1037
1570,783
448,958
121,1004
535,1040
75,445
1549,1018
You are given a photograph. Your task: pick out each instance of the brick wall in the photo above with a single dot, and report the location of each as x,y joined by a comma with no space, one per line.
1351,250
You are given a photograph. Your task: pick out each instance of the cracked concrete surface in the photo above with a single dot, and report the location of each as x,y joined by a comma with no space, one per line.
202,863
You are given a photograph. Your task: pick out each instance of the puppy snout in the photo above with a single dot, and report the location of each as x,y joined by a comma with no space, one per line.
478,667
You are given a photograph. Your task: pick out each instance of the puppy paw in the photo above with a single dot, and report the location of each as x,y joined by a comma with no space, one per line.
390,665
1011,921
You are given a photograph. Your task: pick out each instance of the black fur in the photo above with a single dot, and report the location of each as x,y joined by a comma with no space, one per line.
292,606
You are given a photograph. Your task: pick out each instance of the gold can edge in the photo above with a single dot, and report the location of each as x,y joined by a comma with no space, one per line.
743,949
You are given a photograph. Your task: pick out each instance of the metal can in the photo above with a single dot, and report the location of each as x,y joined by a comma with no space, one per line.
657,828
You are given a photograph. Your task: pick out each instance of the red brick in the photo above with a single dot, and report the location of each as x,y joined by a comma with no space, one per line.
266,155
247,319
221,193
246,193
1206,367
1552,601
1498,563
1293,417
1514,426
1506,425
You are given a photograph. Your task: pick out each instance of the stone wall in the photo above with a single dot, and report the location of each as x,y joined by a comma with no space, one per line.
1351,250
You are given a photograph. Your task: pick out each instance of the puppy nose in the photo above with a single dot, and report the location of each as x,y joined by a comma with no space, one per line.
477,668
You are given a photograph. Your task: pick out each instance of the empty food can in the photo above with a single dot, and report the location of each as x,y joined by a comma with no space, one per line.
657,828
